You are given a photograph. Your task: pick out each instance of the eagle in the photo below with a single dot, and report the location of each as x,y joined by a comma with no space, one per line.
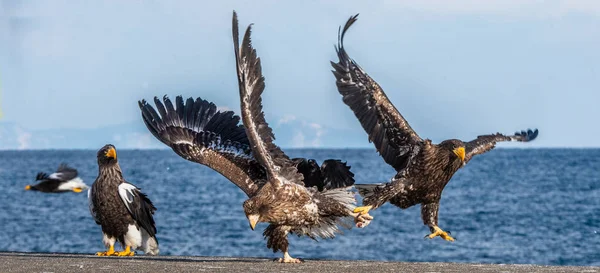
121,209
423,168
294,196
65,179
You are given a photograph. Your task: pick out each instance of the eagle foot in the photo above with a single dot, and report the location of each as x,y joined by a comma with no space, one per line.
288,259
126,252
437,231
362,217
109,252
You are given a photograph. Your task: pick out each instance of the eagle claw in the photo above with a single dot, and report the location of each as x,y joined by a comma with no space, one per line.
436,231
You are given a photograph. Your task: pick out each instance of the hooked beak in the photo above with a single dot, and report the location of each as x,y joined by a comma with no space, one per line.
460,152
253,219
111,153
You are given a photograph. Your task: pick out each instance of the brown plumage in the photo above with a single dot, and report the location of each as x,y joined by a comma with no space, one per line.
423,168
284,192
121,209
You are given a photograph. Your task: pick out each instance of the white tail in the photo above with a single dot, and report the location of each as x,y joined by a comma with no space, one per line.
149,244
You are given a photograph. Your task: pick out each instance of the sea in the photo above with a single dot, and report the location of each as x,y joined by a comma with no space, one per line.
518,206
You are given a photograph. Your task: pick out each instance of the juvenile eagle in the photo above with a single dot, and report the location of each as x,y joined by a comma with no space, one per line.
121,209
423,168
65,179
196,131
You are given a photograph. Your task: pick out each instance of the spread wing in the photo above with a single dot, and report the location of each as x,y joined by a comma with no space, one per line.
91,205
280,169
393,137
485,143
140,207
336,174
198,132
64,173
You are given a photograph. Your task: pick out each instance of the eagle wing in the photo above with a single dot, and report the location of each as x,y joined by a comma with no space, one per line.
91,205
393,137
336,174
280,169
198,132
63,173
485,143
139,206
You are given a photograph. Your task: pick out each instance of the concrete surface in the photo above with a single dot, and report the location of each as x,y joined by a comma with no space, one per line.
58,262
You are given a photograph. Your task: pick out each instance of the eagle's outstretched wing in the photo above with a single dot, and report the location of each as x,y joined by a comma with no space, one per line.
485,143
332,174
198,132
64,173
280,169
393,137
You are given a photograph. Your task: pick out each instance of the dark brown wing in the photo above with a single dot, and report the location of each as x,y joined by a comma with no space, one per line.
336,174
280,169
485,143
198,132
393,137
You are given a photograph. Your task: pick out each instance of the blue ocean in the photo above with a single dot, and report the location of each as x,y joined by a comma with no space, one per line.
524,206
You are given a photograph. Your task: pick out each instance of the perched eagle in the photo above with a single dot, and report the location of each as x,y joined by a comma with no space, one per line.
121,209
423,168
277,193
65,179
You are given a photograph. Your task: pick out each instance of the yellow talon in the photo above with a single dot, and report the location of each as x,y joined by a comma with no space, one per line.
109,252
439,232
77,190
126,252
363,210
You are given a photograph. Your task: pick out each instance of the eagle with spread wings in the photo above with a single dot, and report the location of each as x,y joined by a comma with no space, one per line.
293,195
423,168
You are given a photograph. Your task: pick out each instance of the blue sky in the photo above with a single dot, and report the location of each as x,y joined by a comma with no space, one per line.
453,68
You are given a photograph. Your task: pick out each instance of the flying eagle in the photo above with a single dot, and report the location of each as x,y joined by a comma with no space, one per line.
423,168
121,209
65,179
293,195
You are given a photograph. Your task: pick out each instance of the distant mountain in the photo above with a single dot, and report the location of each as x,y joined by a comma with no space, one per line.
290,133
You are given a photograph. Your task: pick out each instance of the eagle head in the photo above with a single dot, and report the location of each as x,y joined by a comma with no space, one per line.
107,155
252,211
457,148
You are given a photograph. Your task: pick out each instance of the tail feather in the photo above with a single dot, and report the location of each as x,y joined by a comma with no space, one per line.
149,243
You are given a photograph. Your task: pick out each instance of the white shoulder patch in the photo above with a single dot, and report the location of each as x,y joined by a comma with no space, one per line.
127,194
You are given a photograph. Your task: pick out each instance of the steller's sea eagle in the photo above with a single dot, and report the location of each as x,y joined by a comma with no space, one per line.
121,209
313,204
423,168
65,179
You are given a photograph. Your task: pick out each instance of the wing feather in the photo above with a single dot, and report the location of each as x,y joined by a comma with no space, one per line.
393,137
198,132
279,168
486,143
139,206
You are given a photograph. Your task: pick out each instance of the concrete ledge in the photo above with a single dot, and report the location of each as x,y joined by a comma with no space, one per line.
57,262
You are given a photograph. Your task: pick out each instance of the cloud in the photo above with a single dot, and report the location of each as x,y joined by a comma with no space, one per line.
308,135
23,139
286,119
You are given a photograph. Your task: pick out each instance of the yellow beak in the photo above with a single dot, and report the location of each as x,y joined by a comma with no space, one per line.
28,187
460,152
253,219
112,153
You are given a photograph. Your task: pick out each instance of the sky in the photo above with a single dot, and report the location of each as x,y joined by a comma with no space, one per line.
454,69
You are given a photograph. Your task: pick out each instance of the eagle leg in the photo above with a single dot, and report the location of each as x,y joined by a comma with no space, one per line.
126,252
429,214
109,252
437,231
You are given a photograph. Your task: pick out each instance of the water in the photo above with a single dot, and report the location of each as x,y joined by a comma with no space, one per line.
535,206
